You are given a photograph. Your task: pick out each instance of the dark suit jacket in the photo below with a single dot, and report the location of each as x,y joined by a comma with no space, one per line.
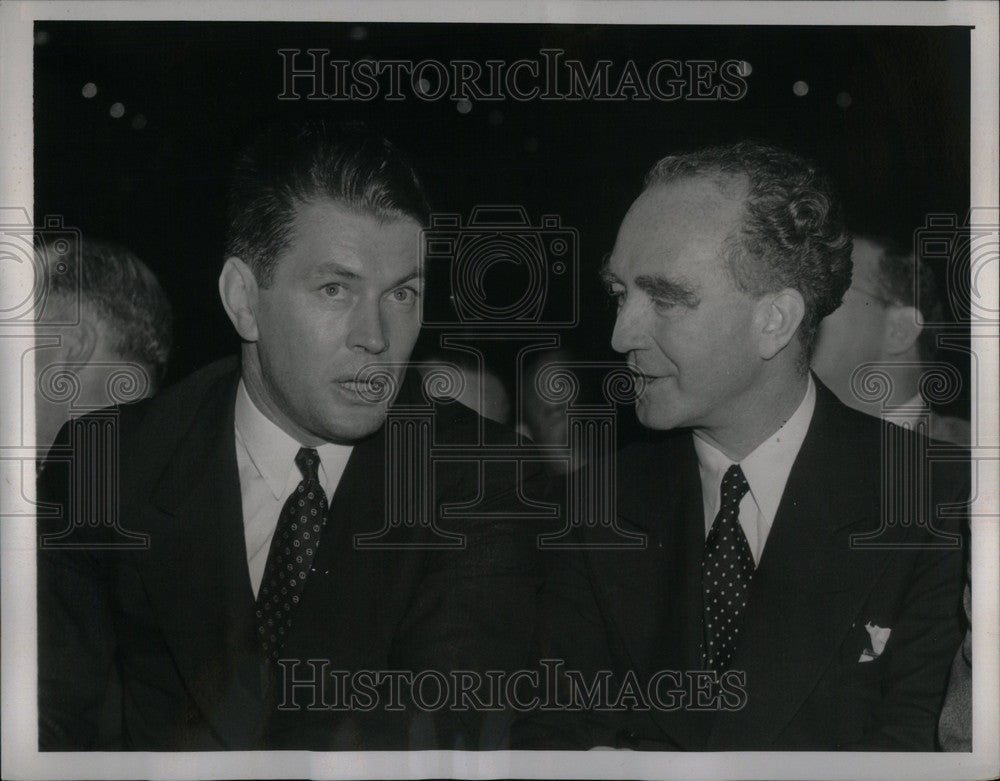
804,627
171,624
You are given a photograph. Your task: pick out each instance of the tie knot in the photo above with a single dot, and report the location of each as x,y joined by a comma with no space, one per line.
307,460
734,485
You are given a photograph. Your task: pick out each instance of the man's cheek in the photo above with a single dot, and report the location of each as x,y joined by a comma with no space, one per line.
404,327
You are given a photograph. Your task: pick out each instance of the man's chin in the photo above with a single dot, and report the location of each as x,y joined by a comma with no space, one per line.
656,415
353,425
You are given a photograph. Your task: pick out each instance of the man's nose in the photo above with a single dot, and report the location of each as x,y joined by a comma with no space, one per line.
628,333
367,331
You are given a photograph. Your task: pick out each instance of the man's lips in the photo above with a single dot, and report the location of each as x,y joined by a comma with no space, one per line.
370,389
645,380
643,376
369,374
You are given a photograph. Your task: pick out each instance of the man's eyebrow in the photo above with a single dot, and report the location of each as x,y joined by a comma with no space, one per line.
333,267
667,290
604,272
417,274
606,277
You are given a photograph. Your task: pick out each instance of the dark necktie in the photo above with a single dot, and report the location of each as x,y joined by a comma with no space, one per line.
727,570
293,548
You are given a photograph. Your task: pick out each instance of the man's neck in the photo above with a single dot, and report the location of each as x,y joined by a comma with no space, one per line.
762,411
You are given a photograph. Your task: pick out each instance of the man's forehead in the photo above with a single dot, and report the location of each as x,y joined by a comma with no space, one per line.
338,223
690,196
323,210
866,257
331,239
675,221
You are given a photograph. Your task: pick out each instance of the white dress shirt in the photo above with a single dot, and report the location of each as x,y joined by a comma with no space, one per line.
265,456
766,470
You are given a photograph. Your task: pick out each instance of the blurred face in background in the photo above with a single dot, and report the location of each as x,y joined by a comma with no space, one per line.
79,368
854,334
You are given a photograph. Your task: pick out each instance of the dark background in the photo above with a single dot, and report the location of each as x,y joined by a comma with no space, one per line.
898,152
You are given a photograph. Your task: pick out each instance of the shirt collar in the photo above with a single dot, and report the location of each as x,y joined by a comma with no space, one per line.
712,465
272,451
768,466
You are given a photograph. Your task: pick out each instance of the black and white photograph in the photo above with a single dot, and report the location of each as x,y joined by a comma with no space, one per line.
479,390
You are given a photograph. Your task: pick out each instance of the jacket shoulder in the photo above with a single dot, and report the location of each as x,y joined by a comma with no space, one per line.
154,425
181,400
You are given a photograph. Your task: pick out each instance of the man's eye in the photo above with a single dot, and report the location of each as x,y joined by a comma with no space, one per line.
404,295
334,289
617,297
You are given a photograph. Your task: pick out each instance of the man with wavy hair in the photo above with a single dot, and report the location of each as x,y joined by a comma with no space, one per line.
779,603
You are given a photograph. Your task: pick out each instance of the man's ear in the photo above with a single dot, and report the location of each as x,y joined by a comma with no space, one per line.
238,291
777,320
903,325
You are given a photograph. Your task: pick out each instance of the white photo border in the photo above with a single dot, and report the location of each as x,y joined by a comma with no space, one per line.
17,537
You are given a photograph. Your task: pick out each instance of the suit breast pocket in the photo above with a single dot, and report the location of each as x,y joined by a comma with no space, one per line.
863,664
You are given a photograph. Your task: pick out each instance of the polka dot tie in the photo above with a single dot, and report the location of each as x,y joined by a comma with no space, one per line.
727,571
293,548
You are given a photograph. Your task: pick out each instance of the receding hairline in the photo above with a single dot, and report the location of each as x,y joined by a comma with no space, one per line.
710,187
733,185
730,193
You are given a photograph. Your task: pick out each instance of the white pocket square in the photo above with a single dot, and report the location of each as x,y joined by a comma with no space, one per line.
879,637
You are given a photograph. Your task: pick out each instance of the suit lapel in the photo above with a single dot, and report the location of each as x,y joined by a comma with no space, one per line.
197,576
690,551
357,594
653,596
806,590
679,637
637,584
686,542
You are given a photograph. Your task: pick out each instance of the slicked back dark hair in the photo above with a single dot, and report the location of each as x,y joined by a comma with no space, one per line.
792,233
286,165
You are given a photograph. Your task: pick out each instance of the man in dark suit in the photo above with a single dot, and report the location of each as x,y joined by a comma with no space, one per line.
274,534
798,588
